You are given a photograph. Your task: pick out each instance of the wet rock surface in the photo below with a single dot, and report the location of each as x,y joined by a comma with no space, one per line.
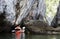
40,27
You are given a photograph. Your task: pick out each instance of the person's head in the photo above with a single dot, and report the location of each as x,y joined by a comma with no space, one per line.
17,27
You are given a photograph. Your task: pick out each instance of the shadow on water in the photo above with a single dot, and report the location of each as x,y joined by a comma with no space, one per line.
24,36
6,36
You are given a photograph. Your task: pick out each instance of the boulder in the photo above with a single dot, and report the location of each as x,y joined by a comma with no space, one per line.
36,26
40,27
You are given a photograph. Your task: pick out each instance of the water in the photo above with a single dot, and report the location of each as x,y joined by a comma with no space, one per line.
24,36
44,37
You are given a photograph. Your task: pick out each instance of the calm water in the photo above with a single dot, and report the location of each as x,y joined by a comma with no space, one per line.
24,36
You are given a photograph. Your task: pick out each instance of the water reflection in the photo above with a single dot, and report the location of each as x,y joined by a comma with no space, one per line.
52,37
24,36
6,36
43,37
19,35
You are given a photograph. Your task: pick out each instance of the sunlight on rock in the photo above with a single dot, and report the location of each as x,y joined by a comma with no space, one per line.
51,9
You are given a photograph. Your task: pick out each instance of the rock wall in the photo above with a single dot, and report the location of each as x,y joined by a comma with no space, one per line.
31,9
7,14
51,9
56,20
